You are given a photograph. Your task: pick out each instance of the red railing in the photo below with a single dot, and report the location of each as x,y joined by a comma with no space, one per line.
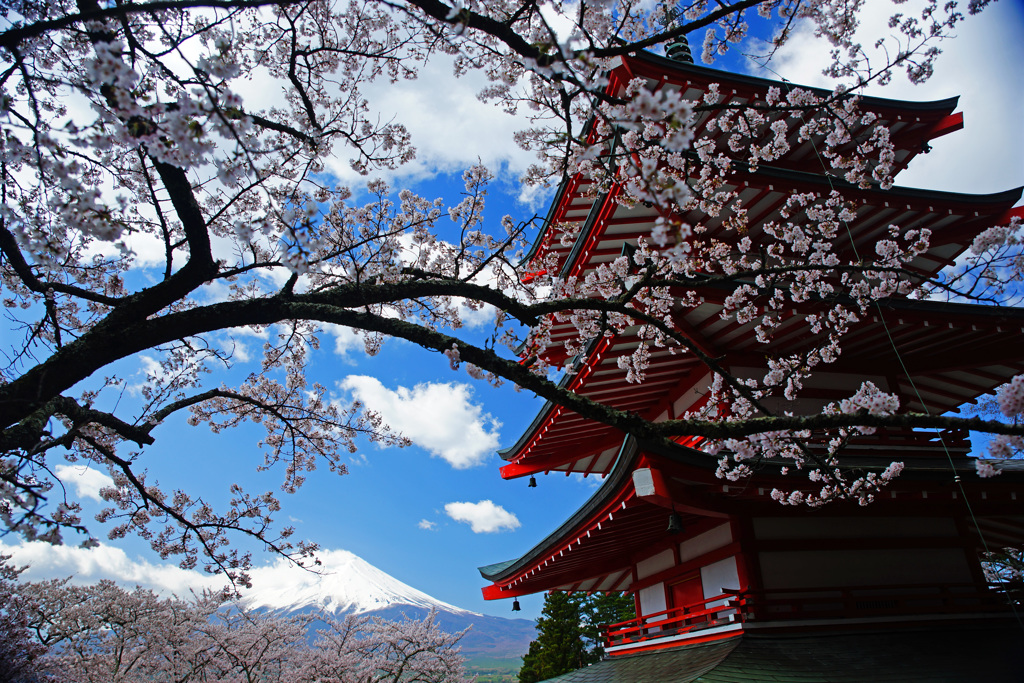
674,621
808,603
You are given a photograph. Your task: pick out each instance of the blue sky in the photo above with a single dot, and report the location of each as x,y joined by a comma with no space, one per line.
391,507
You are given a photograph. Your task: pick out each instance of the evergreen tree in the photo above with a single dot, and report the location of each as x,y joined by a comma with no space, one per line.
559,646
569,632
597,611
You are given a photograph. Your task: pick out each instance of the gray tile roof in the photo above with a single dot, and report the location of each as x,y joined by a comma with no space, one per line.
948,655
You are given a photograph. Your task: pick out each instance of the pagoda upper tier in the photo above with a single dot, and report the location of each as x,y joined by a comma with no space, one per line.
604,225
911,125
935,342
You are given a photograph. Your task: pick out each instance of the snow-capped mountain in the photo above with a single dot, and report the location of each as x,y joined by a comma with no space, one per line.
344,584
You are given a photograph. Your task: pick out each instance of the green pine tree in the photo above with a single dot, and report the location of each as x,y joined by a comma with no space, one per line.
599,610
570,633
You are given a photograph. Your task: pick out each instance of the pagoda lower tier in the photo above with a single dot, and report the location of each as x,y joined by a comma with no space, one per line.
708,560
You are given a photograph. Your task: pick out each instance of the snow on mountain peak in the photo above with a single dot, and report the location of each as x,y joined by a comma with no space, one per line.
343,583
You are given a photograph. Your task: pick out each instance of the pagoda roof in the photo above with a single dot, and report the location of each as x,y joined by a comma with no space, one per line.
658,67
559,440
953,353
911,124
608,227
596,548
947,652
954,218
612,498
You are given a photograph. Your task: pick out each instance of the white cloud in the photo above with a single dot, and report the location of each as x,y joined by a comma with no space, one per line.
981,65
149,249
536,197
234,340
239,351
215,292
476,317
150,368
450,127
86,480
593,481
426,524
345,338
87,566
484,517
438,417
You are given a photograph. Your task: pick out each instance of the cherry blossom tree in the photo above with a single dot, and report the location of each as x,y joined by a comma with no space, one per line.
374,650
21,656
130,123
104,633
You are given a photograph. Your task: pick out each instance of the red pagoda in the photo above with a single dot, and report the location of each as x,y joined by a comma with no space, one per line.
729,584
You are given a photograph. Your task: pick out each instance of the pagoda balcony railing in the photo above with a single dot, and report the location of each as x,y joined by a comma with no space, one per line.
677,620
808,603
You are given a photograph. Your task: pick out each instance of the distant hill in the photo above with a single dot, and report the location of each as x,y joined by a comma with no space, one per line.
347,584
490,637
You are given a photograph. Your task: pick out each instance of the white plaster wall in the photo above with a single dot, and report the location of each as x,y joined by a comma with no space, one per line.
713,539
652,599
666,559
717,576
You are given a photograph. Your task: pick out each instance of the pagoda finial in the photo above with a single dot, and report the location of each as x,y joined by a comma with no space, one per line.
679,50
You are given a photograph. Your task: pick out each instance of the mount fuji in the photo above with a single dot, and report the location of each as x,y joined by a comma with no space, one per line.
345,584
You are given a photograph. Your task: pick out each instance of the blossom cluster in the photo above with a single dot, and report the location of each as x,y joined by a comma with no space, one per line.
1010,401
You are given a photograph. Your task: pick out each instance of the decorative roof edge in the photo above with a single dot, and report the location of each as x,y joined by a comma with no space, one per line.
948,104
621,473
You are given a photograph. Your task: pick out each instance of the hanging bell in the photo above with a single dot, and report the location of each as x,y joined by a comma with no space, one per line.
675,523
515,605
532,484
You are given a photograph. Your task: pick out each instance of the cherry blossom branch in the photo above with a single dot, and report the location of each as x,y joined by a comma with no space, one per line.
13,36
9,248
25,435
208,530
